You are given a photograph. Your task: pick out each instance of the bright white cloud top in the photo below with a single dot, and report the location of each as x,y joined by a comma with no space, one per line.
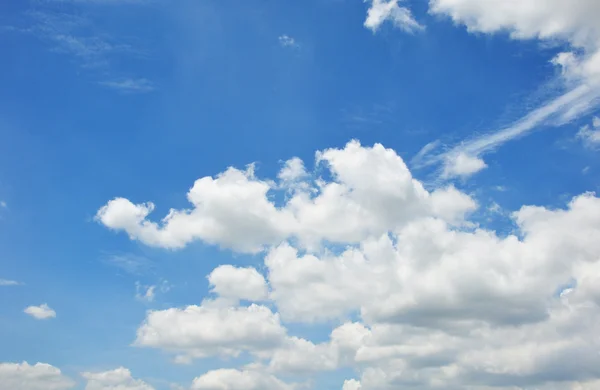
39,376
548,20
439,299
117,379
42,312
349,266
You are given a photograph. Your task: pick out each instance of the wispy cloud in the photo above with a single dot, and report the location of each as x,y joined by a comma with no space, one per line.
288,41
144,293
559,111
78,37
147,293
371,116
130,85
6,282
130,263
381,11
590,134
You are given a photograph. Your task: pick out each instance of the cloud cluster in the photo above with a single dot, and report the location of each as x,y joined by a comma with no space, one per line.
425,297
371,192
40,376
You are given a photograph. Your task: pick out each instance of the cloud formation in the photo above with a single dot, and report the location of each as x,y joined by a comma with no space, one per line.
117,379
42,312
39,376
381,11
424,296
7,282
372,192
573,23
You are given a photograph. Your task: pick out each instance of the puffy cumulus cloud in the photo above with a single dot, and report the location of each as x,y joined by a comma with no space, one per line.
574,22
351,384
213,328
381,11
303,357
238,283
437,301
544,19
118,379
42,312
462,165
230,379
371,191
32,377
426,272
231,210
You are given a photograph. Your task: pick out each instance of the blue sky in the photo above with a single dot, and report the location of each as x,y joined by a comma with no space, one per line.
136,100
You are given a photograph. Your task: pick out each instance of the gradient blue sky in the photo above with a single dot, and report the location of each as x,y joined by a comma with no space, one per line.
138,99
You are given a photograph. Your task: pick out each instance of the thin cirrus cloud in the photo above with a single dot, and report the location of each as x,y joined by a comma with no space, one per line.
574,23
92,50
129,86
8,282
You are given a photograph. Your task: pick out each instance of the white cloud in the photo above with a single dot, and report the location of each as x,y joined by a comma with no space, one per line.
287,41
129,85
7,282
381,11
229,379
351,384
40,376
574,23
238,283
590,135
372,191
292,171
144,293
213,328
437,301
117,379
462,165
42,312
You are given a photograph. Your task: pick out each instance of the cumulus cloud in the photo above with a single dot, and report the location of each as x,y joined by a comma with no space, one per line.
381,11
117,379
42,312
372,191
238,283
230,379
425,297
462,165
40,376
212,329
